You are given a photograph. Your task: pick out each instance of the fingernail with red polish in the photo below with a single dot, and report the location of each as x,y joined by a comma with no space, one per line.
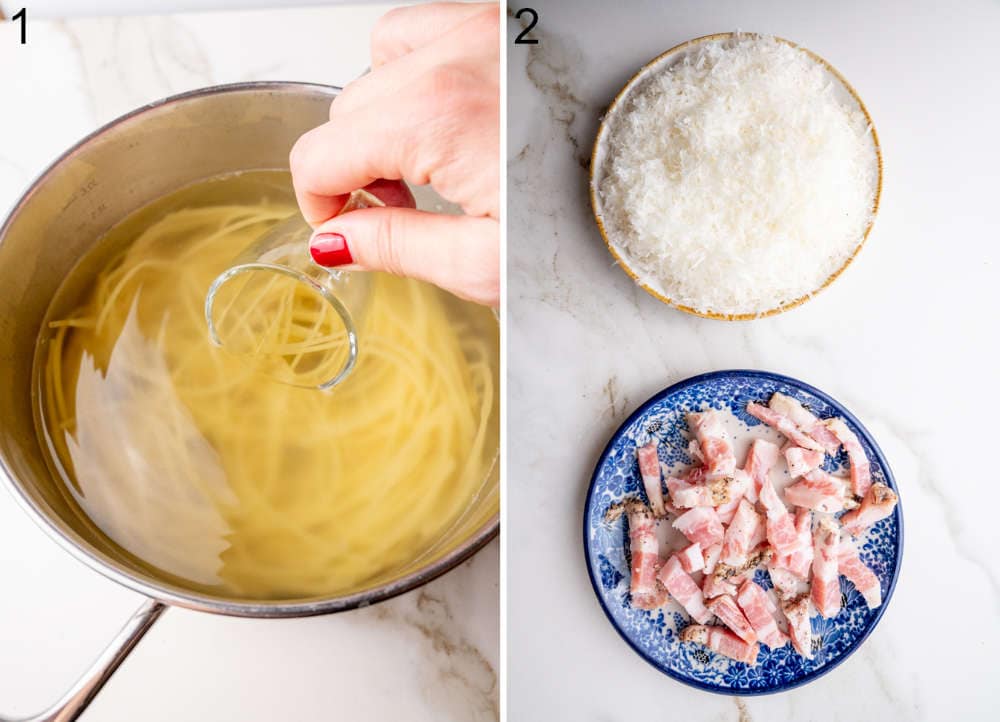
330,249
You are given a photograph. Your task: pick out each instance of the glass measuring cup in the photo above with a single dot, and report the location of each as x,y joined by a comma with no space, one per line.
290,318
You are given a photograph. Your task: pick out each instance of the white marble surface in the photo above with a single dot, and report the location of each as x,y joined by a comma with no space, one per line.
907,338
94,8
429,655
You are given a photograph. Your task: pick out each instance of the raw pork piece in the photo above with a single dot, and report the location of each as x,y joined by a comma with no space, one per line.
739,486
783,425
721,640
761,458
759,535
646,594
807,421
876,505
801,461
726,609
741,577
700,524
671,509
861,475
694,475
714,443
649,468
757,608
864,580
762,555
799,561
726,512
691,558
799,629
820,491
712,587
712,555
785,583
771,606
694,451
736,544
826,579
781,532
686,495
684,589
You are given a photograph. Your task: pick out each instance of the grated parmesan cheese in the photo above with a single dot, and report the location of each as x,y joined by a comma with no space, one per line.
740,178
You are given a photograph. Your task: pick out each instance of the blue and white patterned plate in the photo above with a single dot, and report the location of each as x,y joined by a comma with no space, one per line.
654,635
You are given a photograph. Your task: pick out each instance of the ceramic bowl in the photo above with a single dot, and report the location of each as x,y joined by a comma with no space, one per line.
652,285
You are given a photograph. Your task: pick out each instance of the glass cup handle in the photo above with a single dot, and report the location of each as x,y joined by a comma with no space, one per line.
283,250
72,704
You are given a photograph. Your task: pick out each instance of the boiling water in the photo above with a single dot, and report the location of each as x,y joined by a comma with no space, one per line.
186,463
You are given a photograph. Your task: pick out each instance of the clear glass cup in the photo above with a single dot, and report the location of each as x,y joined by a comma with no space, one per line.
292,319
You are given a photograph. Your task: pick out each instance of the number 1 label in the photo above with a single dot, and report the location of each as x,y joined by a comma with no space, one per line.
22,15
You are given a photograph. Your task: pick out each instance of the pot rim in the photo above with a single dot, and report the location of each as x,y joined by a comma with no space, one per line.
189,599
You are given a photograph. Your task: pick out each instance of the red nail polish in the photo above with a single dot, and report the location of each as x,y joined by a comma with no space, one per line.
330,249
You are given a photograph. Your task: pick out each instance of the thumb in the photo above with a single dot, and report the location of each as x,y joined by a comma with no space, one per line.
460,254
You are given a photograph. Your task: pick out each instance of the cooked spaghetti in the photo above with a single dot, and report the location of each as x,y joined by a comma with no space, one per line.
203,470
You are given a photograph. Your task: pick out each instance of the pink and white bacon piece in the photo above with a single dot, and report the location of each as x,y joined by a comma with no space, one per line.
739,486
711,555
759,535
716,448
712,586
801,461
694,451
758,609
726,609
721,640
783,425
861,475
785,583
646,560
820,491
700,524
825,590
857,573
799,628
761,458
876,505
799,561
806,420
781,533
684,589
737,541
649,469
691,558
689,492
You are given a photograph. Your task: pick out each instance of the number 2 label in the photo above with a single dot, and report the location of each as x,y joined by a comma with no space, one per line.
521,39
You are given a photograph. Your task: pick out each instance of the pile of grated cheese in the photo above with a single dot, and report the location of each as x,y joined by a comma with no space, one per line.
741,178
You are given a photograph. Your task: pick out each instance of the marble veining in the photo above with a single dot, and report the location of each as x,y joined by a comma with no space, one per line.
906,338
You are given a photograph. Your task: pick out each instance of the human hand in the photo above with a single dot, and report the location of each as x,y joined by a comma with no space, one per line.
428,112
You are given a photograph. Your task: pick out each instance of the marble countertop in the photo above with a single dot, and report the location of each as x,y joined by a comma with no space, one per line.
428,655
908,339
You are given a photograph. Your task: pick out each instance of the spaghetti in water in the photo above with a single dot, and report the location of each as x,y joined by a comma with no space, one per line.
202,469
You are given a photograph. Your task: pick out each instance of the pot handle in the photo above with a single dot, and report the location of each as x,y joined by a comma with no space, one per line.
82,693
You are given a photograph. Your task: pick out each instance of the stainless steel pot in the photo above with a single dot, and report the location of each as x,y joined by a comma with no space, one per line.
113,172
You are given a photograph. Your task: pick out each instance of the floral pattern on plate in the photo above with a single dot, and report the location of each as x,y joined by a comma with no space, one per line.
654,634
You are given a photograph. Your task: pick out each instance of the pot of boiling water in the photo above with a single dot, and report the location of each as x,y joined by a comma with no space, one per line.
119,169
